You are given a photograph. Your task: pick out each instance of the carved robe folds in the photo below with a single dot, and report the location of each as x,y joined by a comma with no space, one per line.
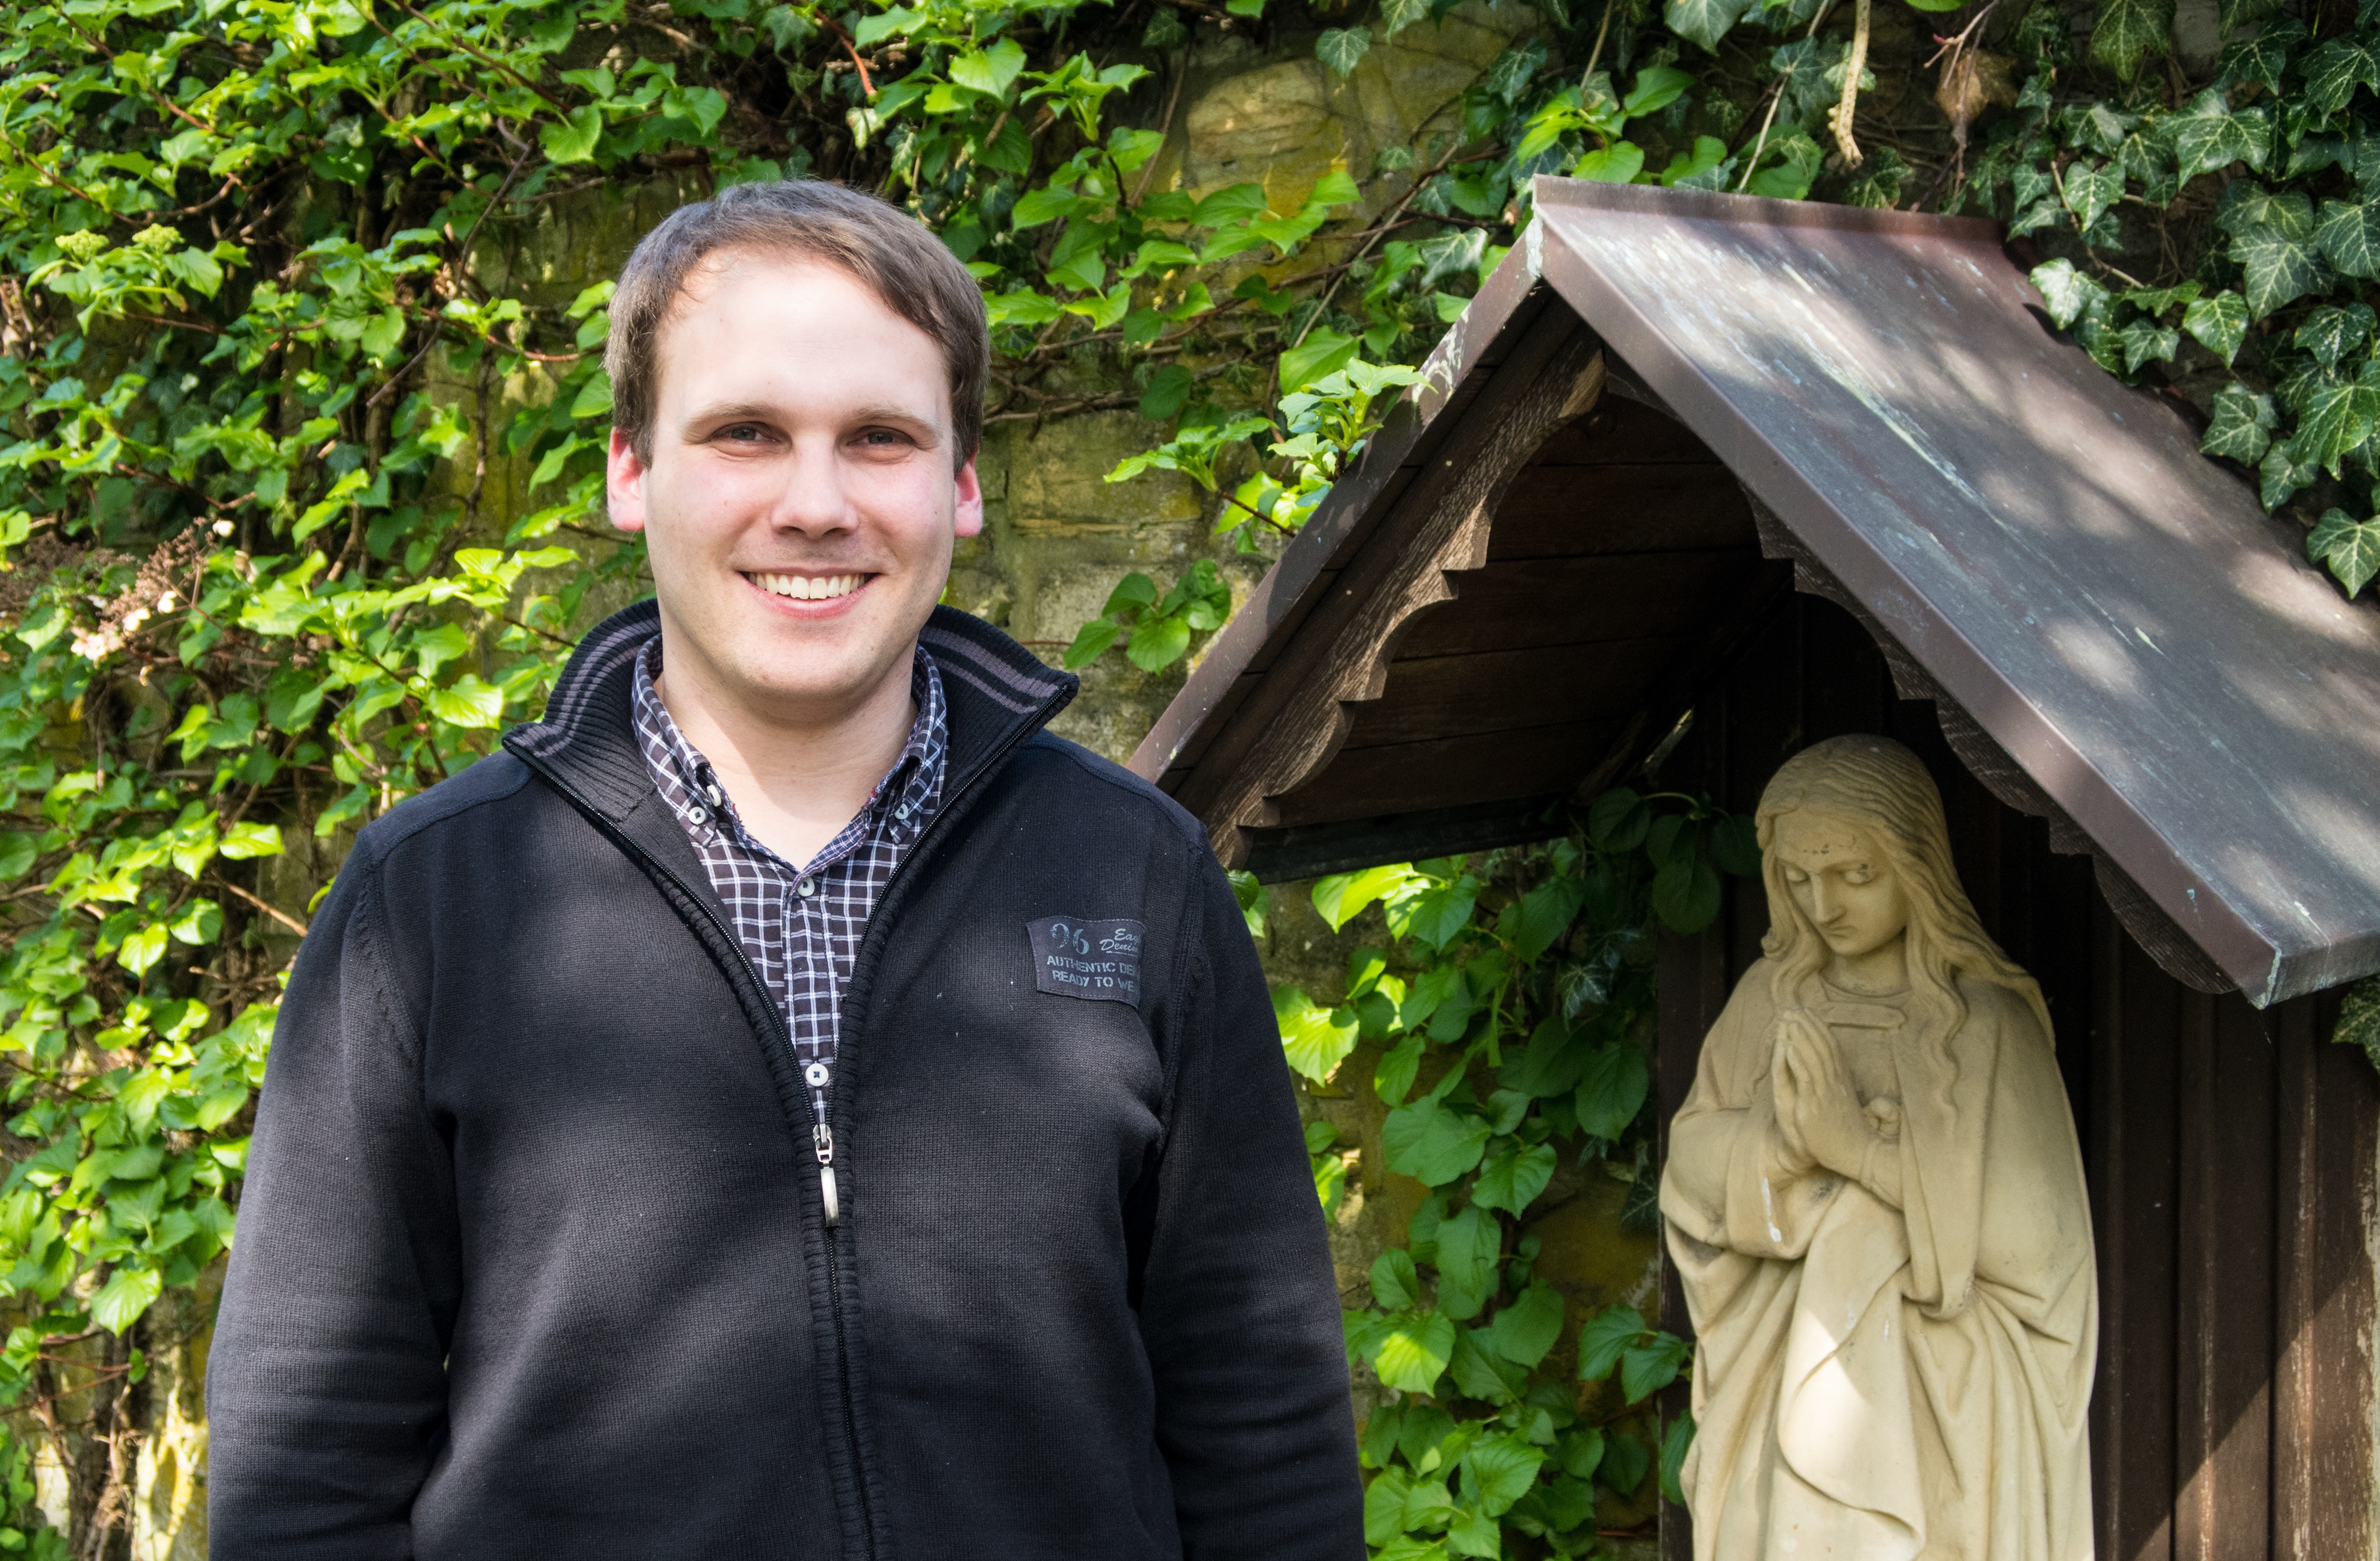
1885,1383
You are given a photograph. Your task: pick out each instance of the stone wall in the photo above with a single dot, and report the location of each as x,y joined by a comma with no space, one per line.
1057,538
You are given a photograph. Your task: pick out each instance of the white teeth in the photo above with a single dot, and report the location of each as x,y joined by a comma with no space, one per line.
807,588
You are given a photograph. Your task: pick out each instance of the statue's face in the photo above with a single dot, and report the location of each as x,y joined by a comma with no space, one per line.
1843,884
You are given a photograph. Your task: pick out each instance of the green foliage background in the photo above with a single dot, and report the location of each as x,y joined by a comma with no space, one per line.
266,371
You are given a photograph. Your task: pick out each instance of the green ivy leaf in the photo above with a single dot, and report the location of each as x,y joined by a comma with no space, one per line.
1315,1039
1626,1462
1613,1089
1546,913
1512,1180
128,1293
1603,1337
1686,894
1617,163
1157,642
470,702
1396,1284
1469,1243
1646,1369
1620,818
1680,1437
1433,1143
1504,1467
1322,355
1524,1330
1413,1353
574,139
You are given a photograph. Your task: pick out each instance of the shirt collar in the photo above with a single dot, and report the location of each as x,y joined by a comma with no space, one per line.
900,804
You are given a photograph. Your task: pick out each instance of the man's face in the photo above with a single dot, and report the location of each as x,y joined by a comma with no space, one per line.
804,489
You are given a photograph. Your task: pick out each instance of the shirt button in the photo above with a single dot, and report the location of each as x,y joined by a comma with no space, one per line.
807,888
901,811
711,792
697,815
815,1076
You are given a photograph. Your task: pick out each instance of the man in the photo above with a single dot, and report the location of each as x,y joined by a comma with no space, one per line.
787,1103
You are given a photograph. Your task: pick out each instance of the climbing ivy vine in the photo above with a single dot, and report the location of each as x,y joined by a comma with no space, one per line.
1502,1033
300,502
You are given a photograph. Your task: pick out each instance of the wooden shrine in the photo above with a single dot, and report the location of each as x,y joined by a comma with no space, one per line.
1798,471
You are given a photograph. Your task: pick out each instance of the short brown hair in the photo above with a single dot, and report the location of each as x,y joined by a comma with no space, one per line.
904,265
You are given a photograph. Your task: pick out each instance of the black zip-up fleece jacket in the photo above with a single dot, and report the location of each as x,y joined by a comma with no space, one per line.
532,1257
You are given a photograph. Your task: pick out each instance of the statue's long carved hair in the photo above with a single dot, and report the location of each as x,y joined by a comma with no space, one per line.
1880,786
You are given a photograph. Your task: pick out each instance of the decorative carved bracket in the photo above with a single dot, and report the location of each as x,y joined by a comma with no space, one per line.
1439,529
2004,777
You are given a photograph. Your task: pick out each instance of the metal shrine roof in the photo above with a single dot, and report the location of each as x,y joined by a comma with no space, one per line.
1554,541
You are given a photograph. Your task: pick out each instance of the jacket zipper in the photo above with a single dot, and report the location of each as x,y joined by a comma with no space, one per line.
822,1138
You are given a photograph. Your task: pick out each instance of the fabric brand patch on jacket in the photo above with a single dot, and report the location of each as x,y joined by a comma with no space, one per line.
1093,957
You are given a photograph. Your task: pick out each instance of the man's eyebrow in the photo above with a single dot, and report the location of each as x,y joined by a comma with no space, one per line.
730,412
886,413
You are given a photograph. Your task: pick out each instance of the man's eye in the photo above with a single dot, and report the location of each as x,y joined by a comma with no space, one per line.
741,433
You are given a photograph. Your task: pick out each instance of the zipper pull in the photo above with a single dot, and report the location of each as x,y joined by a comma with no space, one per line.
823,1142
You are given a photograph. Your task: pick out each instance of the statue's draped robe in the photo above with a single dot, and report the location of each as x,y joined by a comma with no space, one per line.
1881,1383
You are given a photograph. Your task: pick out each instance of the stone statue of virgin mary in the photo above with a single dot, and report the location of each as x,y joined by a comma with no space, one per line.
1875,1198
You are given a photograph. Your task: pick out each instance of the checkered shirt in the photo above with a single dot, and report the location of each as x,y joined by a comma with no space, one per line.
801,926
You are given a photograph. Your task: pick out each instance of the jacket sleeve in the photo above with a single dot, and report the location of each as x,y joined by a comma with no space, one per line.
326,1388
1239,1302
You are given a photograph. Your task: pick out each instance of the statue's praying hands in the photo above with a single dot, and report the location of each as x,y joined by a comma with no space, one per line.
1818,1113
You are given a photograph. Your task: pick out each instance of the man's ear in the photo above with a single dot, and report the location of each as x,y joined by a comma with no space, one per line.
969,508
623,485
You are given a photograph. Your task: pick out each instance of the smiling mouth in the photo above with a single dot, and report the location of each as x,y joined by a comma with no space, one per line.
810,587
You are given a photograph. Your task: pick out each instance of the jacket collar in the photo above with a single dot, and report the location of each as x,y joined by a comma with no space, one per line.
997,694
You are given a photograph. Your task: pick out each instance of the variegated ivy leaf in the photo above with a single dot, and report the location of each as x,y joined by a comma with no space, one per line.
1398,14
2067,292
2243,426
2220,323
2333,420
2349,236
2279,256
2145,342
2208,135
2280,475
2332,72
1340,49
2091,190
2127,31
1703,21
2351,546
2260,57
2237,14
2332,332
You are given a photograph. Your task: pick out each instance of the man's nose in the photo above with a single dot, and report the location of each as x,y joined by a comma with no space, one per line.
813,499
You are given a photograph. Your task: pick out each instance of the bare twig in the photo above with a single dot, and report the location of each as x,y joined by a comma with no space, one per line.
278,915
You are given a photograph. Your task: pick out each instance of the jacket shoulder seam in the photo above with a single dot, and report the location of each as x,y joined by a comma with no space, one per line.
1140,790
386,833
